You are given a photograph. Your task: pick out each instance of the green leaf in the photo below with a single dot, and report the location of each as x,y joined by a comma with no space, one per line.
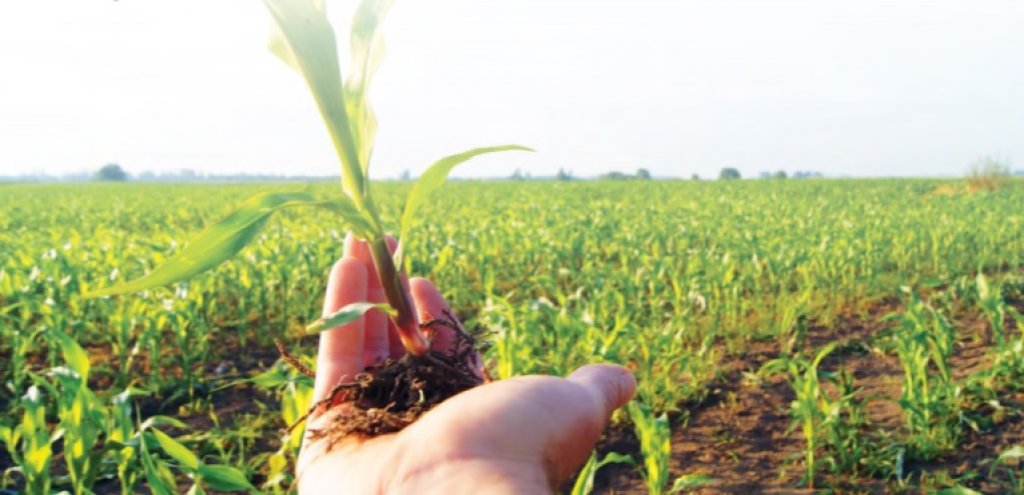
75,357
7,436
176,450
1012,453
305,41
689,481
958,490
585,482
162,421
367,49
158,475
434,178
216,244
344,207
345,315
224,478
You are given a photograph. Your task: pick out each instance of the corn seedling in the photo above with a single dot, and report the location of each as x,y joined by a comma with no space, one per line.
991,301
295,390
305,41
585,481
655,436
812,410
1009,461
930,397
29,443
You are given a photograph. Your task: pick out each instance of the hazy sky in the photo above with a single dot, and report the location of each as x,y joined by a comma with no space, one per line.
866,87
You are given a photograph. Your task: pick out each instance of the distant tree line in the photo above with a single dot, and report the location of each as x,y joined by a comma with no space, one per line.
641,174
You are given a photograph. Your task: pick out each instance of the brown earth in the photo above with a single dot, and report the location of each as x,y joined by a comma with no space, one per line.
737,436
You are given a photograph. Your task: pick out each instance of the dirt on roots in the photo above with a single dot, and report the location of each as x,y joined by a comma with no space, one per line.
388,397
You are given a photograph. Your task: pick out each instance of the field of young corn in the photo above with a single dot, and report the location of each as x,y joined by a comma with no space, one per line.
853,335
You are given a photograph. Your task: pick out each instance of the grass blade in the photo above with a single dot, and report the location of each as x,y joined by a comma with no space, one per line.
213,246
434,178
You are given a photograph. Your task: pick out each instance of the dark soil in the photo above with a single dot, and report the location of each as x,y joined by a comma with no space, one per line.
737,435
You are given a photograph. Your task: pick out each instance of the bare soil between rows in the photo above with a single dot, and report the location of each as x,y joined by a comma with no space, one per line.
738,434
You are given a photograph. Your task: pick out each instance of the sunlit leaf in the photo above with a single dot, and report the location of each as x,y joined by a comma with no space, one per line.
176,450
347,314
958,490
75,357
161,421
1012,453
689,482
344,207
158,475
305,41
224,478
215,245
434,178
367,49
585,481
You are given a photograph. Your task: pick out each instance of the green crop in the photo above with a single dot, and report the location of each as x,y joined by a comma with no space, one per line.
305,41
991,301
812,410
689,284
28,443
930,396
1009,462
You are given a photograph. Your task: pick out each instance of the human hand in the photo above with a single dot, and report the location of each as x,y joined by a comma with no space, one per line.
521,435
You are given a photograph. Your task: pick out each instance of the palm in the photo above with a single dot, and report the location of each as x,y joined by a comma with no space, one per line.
523,435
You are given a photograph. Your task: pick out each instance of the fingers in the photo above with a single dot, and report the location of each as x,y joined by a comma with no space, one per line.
376,321
341,349
430,305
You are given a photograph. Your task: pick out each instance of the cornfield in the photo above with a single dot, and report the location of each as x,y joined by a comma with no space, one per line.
694,286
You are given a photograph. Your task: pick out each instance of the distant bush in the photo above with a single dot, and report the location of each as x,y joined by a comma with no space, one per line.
987,174
729,173
112,172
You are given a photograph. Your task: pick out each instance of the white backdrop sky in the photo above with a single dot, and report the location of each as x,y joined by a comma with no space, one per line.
862,88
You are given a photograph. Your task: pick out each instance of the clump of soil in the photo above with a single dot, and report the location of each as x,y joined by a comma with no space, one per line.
388,397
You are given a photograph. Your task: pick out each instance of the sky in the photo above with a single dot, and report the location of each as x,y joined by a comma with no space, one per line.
863,88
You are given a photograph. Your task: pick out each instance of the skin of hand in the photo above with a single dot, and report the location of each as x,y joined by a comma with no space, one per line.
522,435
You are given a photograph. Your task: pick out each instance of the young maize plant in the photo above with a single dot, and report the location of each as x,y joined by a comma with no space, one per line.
1010,462
296,391
929,400
305,41
655,436
29,443
991,301
812,410
585,481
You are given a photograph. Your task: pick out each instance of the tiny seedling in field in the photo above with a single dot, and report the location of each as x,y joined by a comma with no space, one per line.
304,39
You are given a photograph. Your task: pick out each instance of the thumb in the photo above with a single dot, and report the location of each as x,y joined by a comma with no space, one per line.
609,387
612,386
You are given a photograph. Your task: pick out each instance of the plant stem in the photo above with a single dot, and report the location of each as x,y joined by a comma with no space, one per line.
398,298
